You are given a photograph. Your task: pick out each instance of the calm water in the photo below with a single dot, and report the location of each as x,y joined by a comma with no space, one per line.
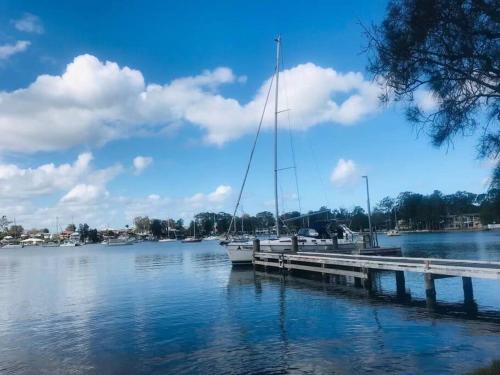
178,308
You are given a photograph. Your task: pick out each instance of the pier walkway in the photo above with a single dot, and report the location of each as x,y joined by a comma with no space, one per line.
362,267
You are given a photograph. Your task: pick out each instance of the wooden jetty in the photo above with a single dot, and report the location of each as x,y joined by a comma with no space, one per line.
362,267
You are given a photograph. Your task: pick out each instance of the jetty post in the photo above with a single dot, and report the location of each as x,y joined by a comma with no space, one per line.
367,281
400,284
256,248
468,293
372,243
430,290
295,244
335,242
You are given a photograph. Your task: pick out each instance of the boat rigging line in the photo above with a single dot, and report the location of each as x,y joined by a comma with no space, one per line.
292,147
250,158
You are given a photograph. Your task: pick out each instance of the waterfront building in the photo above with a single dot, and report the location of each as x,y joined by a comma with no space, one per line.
462,221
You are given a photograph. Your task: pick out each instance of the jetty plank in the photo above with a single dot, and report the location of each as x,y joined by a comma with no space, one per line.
444,267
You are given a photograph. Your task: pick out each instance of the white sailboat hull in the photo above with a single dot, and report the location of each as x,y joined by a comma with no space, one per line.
242,252
240,255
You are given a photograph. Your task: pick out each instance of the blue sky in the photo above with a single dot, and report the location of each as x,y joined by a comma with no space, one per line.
176,84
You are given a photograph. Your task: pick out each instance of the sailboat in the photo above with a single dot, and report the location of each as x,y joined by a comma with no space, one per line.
213,236
168,239
193,238
395,231
241,251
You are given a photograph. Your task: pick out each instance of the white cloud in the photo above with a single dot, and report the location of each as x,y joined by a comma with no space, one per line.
22,183
94,102
345,173
426,100
157,206
83,193
213,199
29,23
79,191
220,194
7,50
141,163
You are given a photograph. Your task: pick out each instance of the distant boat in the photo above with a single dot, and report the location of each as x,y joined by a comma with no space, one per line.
32,242
12,246
120,241
193,238
168,239
51,244
211,238
395,231
69,244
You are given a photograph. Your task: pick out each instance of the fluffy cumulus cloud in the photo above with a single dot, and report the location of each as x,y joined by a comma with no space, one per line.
16,182
7,50
140,163
84,193
29,23
345,172
200,200
95,102
78,178
78,189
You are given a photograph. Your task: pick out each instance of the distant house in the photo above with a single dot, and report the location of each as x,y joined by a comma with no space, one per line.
66,234
461,222
403,225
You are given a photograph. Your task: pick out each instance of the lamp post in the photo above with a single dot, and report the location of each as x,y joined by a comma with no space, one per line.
369,211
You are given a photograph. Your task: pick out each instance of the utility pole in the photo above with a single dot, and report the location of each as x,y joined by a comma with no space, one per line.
369,211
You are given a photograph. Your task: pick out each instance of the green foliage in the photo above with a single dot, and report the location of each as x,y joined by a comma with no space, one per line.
16,231
490,207
359,220
93,236
142,224
156,228
4,223
83,229
450,48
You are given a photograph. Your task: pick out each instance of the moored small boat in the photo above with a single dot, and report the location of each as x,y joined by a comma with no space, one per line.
120,241
191,239
69,244
13,246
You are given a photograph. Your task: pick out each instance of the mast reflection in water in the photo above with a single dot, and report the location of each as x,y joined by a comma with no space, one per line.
166,307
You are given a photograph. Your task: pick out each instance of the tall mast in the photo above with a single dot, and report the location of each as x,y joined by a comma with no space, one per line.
278,46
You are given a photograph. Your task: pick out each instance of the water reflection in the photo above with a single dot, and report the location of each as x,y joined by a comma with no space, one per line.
168,308
242,277
332,317
155,261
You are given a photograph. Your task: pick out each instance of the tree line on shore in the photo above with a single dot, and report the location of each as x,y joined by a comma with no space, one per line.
417,211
